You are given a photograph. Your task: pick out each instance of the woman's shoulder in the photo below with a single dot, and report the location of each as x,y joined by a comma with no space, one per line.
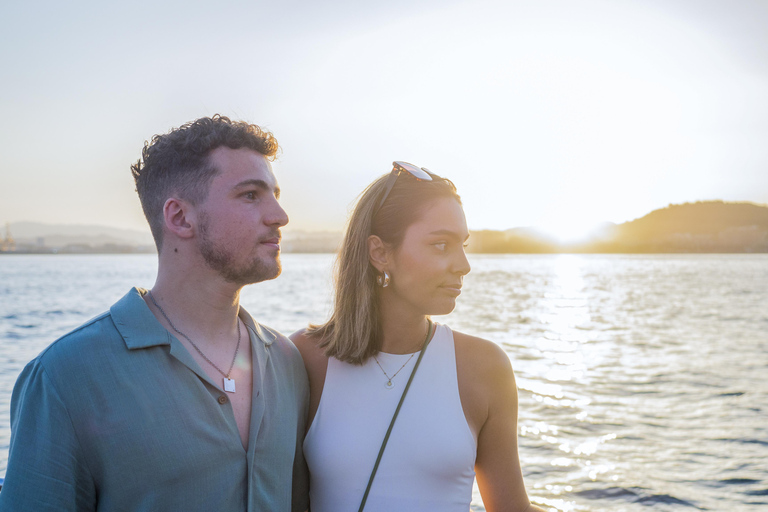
486,380
484,366
482,355
308,344
302,337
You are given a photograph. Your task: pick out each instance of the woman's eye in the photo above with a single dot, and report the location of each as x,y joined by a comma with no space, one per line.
441,246
250,195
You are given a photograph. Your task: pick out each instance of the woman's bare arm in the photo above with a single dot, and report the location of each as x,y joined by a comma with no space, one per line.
489,395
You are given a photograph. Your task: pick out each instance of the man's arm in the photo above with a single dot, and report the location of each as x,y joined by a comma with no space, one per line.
300,501
46,470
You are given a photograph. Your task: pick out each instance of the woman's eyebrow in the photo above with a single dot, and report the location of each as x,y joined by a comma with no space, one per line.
448,232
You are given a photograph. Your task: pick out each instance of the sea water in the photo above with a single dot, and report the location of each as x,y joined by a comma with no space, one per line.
643,380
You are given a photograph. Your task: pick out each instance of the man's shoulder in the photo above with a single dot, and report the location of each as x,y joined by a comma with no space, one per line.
267,335
275,339
79,341
276,342
78,355
272,334
285,356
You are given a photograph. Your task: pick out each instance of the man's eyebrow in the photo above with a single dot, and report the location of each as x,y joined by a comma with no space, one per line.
448,232
259,184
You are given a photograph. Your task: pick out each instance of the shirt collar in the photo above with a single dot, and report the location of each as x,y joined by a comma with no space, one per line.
140,329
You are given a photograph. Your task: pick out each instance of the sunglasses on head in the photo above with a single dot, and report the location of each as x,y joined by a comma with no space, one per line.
420,173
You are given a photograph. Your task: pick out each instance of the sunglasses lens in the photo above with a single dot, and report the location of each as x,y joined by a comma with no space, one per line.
414,171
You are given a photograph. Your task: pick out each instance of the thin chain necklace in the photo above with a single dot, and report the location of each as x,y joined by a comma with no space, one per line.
389,384
229,384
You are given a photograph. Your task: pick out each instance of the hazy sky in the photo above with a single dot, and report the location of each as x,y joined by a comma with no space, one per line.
558,114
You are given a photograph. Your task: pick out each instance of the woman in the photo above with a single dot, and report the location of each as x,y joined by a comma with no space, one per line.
403,259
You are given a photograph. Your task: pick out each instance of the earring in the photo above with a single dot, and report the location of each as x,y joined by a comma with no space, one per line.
383,279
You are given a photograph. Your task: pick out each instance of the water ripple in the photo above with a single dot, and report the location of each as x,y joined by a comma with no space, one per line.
641,378
634,495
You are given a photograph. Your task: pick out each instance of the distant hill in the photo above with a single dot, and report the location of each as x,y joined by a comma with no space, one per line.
61,234
311,242
706,226
38,237
517,240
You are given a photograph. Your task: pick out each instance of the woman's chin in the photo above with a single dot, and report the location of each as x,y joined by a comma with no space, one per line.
444,307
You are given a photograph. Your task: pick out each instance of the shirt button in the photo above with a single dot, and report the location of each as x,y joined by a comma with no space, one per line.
222,399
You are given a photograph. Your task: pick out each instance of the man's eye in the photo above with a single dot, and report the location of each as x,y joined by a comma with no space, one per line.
250,195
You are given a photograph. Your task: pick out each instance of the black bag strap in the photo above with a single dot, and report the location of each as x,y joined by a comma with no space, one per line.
394,417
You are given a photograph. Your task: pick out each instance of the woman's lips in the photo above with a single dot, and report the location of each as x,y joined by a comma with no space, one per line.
453,289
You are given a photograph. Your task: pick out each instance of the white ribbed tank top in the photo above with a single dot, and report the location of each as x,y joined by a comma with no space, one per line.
429,461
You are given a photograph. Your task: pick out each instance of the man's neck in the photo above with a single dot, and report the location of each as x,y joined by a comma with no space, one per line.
198,302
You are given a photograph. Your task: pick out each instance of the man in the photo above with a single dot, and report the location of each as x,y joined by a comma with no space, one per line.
175,399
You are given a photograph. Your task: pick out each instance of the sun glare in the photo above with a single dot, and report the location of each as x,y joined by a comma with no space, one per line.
570,230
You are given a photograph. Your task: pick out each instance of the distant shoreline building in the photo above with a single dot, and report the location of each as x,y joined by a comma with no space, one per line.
8,244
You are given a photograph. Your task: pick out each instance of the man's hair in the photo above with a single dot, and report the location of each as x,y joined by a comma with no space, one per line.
176,163
353,333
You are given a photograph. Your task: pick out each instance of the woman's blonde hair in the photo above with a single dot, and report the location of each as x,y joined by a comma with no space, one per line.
353,333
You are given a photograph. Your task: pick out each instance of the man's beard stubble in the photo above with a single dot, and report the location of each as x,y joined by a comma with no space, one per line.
221,260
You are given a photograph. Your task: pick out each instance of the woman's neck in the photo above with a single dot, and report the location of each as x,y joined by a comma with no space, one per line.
403,330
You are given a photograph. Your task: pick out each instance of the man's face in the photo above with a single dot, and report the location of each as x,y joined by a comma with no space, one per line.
240,220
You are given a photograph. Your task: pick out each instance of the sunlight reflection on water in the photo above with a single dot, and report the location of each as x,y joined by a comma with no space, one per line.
641,378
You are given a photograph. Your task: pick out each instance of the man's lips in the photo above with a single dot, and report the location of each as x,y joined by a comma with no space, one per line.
274,242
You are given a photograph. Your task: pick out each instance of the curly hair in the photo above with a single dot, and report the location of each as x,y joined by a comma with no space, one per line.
176,163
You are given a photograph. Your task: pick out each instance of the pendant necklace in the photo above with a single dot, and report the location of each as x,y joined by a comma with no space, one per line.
389,384
229,384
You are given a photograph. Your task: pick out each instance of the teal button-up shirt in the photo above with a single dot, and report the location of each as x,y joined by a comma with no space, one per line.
117,415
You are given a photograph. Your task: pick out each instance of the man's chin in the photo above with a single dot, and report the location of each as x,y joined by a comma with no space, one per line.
260,271
277,268
275,274
256,272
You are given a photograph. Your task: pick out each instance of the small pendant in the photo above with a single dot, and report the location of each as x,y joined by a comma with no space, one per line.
389,385
229,385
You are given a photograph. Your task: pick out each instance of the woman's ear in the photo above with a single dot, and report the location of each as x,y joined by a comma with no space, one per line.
175,217
378,253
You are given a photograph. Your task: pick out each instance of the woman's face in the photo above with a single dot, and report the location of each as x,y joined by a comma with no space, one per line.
428,267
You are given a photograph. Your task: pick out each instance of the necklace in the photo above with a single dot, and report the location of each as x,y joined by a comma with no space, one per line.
389,384
229,384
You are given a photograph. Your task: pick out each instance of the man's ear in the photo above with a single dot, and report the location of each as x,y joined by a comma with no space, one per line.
179,217
378,253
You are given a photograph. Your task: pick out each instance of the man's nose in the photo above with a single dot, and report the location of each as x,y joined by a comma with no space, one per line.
277,216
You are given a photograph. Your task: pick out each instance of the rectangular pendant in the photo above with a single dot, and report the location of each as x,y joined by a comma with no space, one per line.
229,385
